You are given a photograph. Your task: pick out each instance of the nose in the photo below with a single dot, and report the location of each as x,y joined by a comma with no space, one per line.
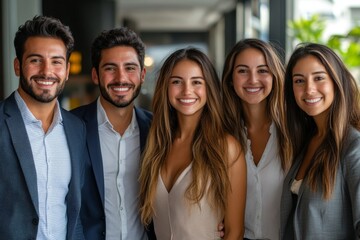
121,75
187,87
46,67
309,86
252,77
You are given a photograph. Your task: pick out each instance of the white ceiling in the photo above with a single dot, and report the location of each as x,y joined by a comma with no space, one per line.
176,15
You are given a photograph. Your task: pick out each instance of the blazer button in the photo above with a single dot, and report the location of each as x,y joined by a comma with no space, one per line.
35,221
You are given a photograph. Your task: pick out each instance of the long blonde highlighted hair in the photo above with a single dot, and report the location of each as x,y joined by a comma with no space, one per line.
208,144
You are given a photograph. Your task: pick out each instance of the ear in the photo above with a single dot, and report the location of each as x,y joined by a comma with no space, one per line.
94,76
67,71
142,75
17,67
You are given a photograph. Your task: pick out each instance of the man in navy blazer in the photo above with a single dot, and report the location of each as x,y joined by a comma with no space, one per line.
41,144
116,135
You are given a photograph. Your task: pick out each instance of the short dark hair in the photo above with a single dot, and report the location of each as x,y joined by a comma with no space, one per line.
122,36
42,26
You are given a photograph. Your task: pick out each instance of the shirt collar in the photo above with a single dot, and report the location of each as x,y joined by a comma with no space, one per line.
27,115
104,121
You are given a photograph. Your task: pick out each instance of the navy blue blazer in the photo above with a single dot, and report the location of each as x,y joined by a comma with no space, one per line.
92,211
19,209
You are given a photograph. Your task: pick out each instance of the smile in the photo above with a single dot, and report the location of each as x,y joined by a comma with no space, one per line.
187,100
42,82
121,89
252,90
313,100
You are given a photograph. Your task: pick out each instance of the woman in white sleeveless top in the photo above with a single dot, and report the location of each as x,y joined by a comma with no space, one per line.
193,174
252,84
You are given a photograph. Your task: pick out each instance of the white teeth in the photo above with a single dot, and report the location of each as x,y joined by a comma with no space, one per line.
44,82
313,100
187,100
252,89
123,89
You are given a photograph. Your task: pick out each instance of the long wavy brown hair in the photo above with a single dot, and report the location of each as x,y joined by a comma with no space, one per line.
209,166
234,113
343,113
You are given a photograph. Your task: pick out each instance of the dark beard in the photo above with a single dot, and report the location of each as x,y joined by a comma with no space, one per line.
45,97
119,104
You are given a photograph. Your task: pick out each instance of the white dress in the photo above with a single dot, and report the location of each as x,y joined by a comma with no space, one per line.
178,219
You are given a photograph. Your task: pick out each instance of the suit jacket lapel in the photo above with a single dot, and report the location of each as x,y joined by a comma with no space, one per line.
73,197
22,147
144,126
93,142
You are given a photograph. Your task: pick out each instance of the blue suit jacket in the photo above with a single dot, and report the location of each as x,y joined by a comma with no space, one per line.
92,212
19,216
308,216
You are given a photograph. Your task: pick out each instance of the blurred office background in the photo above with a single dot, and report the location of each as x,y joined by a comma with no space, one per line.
165,25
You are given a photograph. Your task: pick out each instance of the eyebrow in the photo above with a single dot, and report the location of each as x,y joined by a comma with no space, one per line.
313,73
40,56
195,77
243,65
115,65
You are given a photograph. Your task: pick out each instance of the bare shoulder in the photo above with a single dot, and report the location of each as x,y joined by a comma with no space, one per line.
234,149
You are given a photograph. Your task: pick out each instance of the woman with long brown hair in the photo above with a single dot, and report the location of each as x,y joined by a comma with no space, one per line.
193,173
321,194
252,82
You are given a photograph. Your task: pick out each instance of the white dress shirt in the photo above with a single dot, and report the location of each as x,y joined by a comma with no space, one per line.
121,161
53,171
264,187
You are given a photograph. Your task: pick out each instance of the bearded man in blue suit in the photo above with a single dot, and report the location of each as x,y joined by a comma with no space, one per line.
41,145
116,135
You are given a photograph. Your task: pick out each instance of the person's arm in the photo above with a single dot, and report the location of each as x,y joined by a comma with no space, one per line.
236,198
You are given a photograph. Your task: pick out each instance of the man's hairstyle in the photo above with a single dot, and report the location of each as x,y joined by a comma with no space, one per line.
117,37
42,26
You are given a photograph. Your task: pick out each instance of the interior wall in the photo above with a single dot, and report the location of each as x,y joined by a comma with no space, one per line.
13,14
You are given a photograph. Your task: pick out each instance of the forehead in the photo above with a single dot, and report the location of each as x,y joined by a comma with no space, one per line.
186,67
119,54
44,46
309,63
250,55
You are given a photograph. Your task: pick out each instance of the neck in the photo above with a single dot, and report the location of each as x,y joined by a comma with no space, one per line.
321,124
119,117
187,126
41,111
256,116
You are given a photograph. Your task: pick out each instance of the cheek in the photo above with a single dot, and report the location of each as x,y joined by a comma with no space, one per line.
203,94
269,82
172,92
330,93
297,95
237,85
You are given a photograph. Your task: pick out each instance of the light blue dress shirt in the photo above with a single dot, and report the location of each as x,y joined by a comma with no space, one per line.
121,166
53,171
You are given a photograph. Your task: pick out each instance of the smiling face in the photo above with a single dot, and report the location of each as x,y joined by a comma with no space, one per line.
313,88
251,76
43,70
187,88
120,76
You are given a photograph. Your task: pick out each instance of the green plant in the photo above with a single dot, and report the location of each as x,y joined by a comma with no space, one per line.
312,30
